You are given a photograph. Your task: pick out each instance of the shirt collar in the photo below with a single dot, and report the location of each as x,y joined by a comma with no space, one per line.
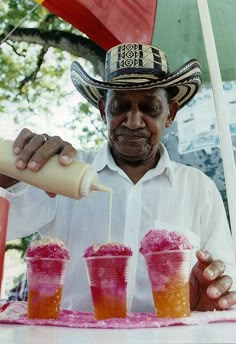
104,158
165,166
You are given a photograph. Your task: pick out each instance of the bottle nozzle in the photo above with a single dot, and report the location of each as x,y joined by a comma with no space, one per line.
90,183
100,187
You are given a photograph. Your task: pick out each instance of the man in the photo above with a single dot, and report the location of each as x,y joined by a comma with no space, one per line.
141,98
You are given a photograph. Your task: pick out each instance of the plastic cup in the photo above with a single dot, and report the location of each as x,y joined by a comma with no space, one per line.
169,273
45,279
107,276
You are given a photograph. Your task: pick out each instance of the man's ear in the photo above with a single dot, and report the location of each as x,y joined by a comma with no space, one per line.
173,109
101,107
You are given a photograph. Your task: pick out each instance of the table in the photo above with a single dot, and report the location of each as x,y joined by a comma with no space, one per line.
224,332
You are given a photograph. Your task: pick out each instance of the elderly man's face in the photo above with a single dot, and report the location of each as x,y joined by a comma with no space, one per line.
135,121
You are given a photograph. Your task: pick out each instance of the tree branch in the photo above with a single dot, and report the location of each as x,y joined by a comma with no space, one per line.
72,43
14,49
32,76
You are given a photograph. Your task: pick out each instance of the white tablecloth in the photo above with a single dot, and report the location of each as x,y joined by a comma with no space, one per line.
195,334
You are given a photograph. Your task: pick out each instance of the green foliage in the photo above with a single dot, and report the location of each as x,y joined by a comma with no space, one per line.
19,245
27,94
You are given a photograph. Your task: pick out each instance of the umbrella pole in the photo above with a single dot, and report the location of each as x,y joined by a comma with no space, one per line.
222,116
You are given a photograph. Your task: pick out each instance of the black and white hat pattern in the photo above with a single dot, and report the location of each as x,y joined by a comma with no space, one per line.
134,66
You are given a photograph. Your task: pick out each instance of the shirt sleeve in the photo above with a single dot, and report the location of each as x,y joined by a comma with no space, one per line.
216,235
30,209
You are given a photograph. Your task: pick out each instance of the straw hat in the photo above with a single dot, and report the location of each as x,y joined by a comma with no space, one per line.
137,66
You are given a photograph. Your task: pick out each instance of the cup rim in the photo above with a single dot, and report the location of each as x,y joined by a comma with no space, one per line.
168,251
45,259
107,256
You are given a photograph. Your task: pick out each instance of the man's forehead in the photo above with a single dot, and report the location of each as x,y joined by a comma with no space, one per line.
153,92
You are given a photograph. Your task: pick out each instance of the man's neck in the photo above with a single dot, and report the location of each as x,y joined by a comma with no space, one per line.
135,171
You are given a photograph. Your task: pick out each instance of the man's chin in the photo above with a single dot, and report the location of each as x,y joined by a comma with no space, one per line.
130,152
131,156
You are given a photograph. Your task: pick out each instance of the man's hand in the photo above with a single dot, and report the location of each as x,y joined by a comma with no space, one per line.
209,287
33,150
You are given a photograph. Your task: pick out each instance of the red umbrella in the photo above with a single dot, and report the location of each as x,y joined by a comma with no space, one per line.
108,23
172,25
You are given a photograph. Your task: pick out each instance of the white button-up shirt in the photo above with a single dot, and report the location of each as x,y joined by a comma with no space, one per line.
170,196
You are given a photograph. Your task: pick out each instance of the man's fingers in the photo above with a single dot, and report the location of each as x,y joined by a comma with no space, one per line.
34,150
227,300
211,268
44,151
209,286
214,270
21,140
204,257
33,154
67,155
219,287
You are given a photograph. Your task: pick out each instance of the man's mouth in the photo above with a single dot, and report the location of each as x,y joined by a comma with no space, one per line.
132,135
132,138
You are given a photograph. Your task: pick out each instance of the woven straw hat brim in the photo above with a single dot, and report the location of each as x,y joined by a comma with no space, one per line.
187,79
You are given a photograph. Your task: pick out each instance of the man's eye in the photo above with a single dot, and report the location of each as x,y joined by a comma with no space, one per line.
154,109
119,107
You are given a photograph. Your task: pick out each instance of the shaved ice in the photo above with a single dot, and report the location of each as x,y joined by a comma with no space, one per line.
162,240
107,249
47,248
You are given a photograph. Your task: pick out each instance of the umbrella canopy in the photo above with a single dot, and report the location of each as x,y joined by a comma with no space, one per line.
172,25
178,29
108,22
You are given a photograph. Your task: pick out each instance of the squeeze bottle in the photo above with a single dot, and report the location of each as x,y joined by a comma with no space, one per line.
75,180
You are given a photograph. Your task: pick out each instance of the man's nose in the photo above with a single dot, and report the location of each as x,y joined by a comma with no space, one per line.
134,119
